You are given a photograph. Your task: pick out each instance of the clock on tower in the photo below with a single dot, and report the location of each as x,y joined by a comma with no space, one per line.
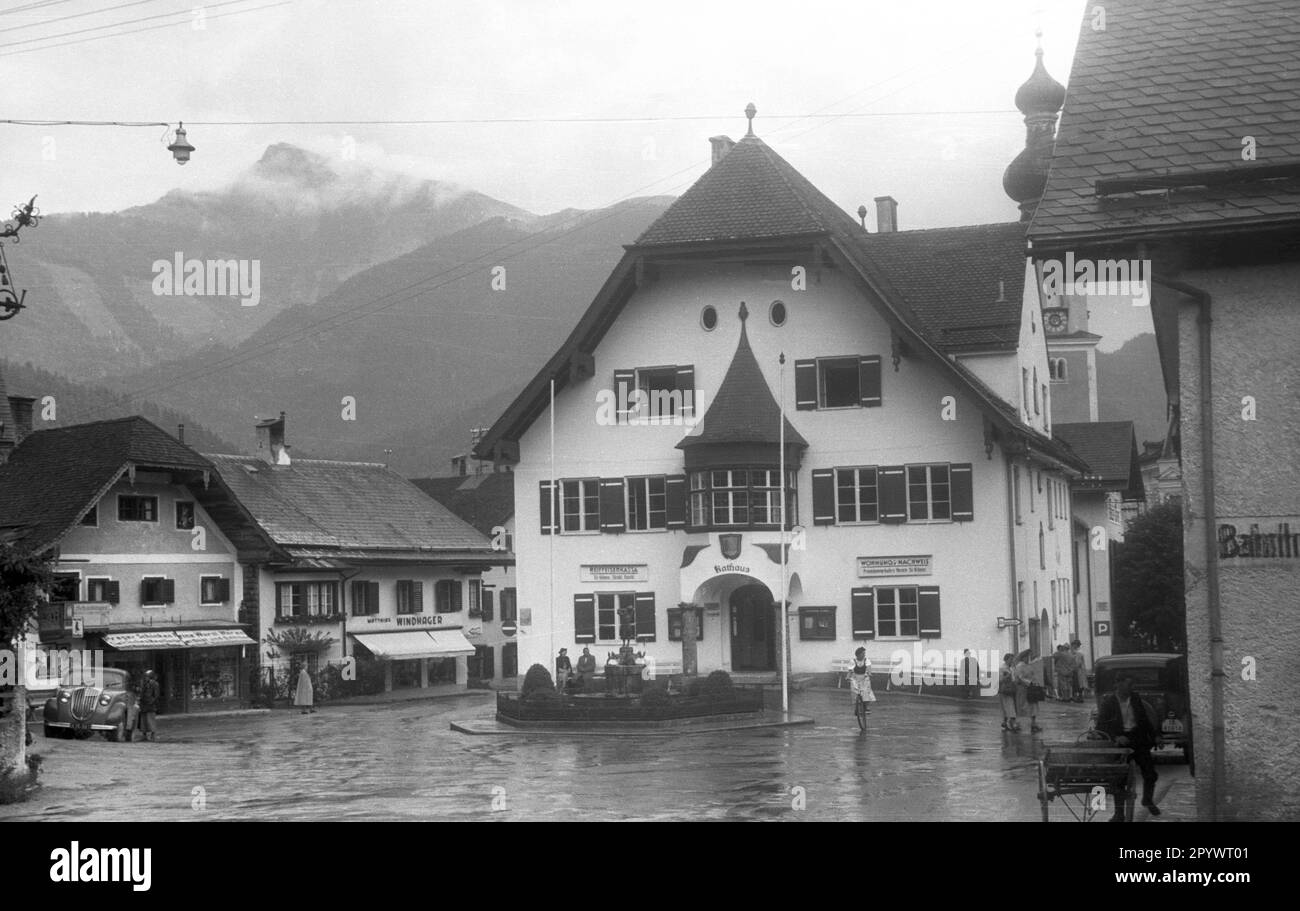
1055,320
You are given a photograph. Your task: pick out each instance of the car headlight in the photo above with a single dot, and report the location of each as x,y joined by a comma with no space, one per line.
105,699
64,696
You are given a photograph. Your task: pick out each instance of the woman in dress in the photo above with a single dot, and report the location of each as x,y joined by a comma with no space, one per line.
1007,693
860,680
303,695
1025,678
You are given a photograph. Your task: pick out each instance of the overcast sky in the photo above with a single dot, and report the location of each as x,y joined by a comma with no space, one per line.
615,100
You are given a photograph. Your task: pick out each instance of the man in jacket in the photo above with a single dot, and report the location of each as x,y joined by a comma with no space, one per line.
149,705
1127,718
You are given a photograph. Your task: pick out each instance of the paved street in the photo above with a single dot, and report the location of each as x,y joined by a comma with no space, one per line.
922,759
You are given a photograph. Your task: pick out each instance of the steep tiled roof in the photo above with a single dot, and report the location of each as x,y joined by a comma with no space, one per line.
1173,87
964,284
1110,449
315,503
54,476
484,501
751,193
743,409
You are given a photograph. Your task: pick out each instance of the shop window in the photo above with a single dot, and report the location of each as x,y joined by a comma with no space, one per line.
817,623
213,590
448,596
410,596
212,675
184,515
131,508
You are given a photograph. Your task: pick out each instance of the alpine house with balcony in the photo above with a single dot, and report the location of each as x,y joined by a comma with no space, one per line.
923,502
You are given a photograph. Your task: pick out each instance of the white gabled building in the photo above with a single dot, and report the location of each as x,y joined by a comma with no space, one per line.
927,503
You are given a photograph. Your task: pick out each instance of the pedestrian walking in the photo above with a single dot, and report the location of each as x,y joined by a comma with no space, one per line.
1063,667
304,695
149,693
1130,720
1080,670
970,675
563,669
1029,690
1007,693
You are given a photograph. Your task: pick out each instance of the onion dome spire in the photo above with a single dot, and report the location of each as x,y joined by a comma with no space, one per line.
1040,99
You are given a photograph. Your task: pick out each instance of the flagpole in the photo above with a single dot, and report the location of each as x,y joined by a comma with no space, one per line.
555,530
785,621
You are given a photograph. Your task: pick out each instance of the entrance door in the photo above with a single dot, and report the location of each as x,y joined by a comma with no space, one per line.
172,668
753,629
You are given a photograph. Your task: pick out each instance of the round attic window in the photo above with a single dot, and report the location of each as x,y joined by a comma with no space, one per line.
776,313
709,318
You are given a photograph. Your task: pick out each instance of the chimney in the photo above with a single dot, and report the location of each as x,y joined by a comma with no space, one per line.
721,146
180,432
886,214
21,406
270,441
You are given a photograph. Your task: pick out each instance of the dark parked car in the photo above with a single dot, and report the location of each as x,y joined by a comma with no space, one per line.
77,709
1161,679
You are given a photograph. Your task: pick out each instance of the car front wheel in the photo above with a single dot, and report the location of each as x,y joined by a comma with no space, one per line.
118,734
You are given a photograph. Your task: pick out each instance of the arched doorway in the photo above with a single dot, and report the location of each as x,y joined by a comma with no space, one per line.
753,629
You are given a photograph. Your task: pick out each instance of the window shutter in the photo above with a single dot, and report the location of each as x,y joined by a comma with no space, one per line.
928,611
645,617
611,505
869,381
223,590
686,386
805,385
584,618
113,592
547,503
963,506
168,591
864,613
372,600
675,491
624,386
279,600
893,494
823,489
489,597
417,596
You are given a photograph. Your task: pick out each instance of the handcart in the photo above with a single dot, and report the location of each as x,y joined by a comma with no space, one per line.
1082,773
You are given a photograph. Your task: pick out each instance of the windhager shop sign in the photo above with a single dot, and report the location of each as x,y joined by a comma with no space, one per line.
918,565
614,572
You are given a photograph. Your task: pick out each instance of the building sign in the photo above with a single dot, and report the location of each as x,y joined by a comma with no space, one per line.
1101,627
474,632
1276,543
403,621
614,572
210,638
918,565
731,568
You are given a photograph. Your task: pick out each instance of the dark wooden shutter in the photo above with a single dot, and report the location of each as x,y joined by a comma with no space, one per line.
417,596
893,493
675,491
611,505
489,598
805,385
547,505
686,386
928,611
372,599
963,506
113,592
869,381
584,618
645,616
223,590
624,386
168,591
823,489
863,613
488,668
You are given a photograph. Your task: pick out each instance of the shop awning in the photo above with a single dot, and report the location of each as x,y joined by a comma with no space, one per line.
447,643
177,638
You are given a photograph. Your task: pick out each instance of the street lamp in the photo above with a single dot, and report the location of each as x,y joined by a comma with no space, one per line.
180,148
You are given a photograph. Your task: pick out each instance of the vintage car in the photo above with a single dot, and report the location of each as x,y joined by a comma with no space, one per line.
1161,679
78,709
